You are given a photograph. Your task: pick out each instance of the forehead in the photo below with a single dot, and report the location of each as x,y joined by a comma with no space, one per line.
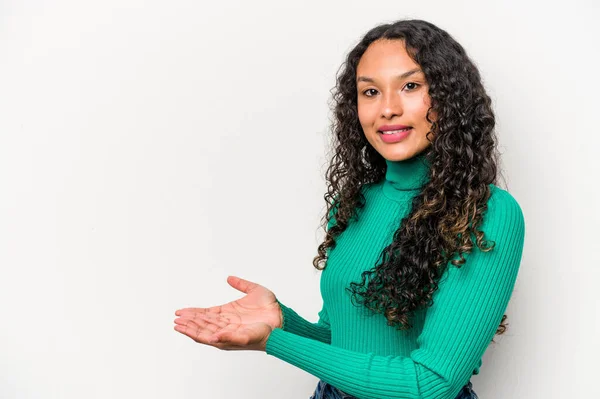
385,56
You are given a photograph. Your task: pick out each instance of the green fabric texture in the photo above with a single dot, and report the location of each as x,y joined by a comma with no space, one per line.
356,351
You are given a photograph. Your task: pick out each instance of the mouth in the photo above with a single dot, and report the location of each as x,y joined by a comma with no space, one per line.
397,131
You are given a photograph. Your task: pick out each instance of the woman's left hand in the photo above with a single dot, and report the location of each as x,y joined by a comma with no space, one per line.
220,332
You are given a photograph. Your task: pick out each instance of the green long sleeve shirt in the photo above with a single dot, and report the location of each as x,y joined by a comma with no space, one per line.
357,352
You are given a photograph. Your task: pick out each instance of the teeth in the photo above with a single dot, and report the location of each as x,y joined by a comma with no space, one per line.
396,131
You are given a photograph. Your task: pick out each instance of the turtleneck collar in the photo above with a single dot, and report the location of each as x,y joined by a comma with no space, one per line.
403,178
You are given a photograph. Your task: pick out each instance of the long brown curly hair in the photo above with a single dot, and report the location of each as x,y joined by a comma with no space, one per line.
449,208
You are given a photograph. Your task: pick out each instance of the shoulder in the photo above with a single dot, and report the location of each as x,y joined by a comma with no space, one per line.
501,201
504,215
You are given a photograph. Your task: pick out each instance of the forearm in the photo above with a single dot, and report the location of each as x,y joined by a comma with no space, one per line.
296,324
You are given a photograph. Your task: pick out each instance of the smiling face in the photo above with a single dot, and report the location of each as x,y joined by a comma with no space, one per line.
392,90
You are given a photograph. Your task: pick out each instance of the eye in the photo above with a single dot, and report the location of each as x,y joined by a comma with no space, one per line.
414,86
366,91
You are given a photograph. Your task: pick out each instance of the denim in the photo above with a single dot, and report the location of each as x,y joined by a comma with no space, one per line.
327,391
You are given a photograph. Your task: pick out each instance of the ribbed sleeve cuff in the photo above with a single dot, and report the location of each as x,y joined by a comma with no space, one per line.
296,324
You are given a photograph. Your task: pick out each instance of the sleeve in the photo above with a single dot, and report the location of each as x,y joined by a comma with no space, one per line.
296,324
467,310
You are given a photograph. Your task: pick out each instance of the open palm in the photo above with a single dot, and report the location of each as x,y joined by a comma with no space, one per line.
241,324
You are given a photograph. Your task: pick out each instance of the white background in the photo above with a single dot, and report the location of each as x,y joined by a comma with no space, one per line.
149,149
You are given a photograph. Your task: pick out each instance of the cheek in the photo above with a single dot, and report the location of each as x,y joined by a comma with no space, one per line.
419,111
425,106
365,115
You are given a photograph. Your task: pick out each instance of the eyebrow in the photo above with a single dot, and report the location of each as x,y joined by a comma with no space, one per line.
399,77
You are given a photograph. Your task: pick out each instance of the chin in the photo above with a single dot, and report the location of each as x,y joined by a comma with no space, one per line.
403,151
399,151
399,154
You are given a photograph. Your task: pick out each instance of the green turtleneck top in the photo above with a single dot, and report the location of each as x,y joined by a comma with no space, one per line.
356,351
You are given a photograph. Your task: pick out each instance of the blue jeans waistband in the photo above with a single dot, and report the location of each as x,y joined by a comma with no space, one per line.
328,391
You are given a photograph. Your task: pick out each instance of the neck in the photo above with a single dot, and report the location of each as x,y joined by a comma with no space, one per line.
402,178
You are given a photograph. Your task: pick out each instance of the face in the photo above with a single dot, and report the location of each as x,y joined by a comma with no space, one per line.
392,91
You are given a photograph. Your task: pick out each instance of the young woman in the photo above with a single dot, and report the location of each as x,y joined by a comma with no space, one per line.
422,248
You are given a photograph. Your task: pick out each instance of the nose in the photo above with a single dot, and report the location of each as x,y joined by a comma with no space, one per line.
391,105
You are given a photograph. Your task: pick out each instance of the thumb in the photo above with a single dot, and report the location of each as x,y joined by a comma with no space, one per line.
240,284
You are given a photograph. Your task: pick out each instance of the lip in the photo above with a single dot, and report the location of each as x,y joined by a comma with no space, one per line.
394,137
385,128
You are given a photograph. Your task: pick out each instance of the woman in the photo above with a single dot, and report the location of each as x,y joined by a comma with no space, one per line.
422,249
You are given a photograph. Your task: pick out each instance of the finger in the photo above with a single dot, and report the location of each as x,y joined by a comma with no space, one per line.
214,318
195,332
240,284
211,310
200,333
203,336
229,347
200,323
210,323
191,314
234,338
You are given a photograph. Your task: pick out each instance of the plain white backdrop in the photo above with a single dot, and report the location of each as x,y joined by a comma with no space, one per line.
149,149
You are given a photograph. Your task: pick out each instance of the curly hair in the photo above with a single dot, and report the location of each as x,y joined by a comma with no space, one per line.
449,208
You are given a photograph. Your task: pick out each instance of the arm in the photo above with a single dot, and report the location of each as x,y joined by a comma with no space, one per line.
459,326
296,324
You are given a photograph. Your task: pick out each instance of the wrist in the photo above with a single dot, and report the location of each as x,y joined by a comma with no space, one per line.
281,315
280,318
263,343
